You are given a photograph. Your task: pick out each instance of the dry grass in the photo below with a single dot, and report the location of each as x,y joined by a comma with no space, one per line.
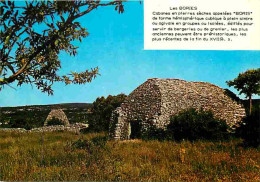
24,158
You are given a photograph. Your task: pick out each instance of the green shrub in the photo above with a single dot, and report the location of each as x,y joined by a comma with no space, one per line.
154,133
20,123
54,121
193,125
23,119
102,110
250,129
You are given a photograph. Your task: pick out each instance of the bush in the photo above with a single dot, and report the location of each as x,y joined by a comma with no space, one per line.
102,110
54,121
193,125
25,118
250,129
154,133
20,123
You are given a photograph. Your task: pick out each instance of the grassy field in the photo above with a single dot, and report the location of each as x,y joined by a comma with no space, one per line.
66,156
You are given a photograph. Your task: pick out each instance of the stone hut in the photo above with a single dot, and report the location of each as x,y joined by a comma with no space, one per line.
57,114
154,101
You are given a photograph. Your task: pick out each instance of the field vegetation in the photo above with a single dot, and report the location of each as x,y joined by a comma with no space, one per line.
194,147
66,156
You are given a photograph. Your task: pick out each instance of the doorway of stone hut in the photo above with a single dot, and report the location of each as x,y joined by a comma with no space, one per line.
135,129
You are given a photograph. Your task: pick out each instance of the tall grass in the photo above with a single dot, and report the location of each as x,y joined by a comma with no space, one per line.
66,156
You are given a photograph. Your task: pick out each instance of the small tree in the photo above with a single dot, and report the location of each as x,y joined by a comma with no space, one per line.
247,83
32,35
102,111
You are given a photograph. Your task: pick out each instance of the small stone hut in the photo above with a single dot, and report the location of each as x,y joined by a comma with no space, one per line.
57,114
154,101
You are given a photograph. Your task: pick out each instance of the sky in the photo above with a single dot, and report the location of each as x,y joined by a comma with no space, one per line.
115,45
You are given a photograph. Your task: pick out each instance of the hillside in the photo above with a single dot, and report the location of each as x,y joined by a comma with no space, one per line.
34,115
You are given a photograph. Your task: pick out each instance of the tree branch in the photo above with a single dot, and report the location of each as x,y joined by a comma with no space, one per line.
95,5
29,20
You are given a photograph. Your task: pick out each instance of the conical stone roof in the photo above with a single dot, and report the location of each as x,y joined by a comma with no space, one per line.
57,114
156,100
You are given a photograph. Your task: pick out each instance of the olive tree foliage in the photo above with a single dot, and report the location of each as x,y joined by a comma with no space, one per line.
247,83
29,55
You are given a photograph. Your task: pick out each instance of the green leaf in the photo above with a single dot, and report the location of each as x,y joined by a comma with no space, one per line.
7,39
56,42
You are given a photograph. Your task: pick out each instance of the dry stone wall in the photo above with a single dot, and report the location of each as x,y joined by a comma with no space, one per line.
156,100
119,125
75,128
140,105
15,130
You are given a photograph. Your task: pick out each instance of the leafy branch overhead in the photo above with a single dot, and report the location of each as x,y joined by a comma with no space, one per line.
32,35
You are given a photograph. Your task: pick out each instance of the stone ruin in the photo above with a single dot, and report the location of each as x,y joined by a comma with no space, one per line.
57,114
54,114
153,102
60,115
